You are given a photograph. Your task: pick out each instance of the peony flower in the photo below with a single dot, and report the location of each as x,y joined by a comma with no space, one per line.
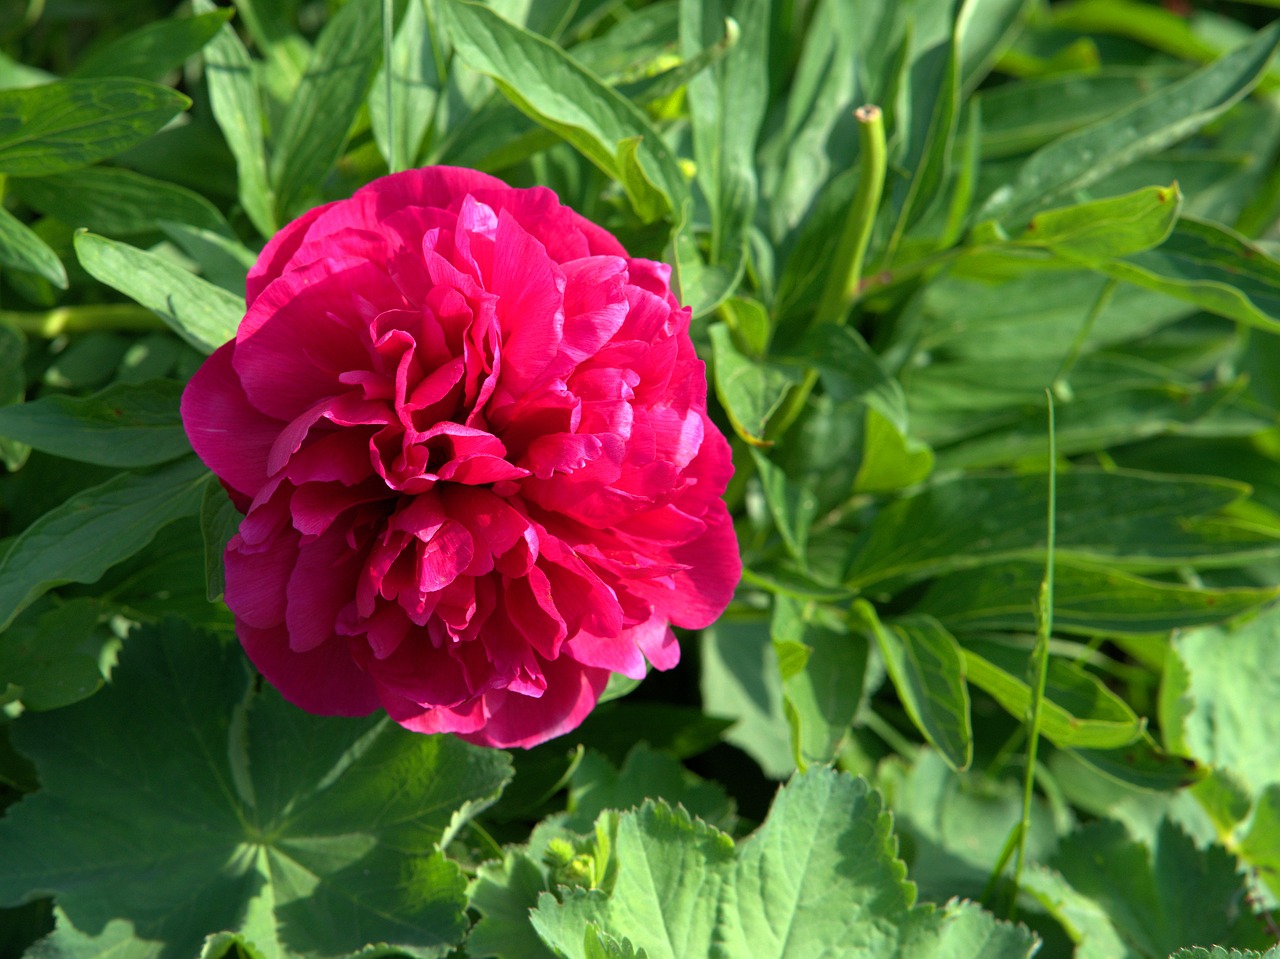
469,436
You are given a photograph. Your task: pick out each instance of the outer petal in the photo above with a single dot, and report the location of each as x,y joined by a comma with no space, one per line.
324,680
514,720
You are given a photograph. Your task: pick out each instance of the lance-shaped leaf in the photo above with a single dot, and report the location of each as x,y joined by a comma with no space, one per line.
750,390
1085,156
1077,710
927,668
309,835
320,113
95,529
1087,600
72,123
820,877
204,315
556,91
150,52
127,424
1131,519
22,249
1214,268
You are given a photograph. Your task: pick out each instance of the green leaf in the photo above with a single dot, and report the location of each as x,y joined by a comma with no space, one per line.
150,52
1119,518
1142,764
793,506
95,529
204,315
741,681
1159,898
1260,845
596,785
1020,116
818,878
73,123
117,201
1233,678
823,667
414,91
891,461
1077,710
22,249
219,521
927,668
850,371
1086,601
751,391
55,657
126,424
727,104
1078,159
233,96
1099,229
309,835
1212,267
319,115
1217,952
551,88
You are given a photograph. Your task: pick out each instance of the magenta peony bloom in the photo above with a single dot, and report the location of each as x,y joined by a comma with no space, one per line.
469,435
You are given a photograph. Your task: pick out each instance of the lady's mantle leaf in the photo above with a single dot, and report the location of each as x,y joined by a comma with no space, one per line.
310,835
820,877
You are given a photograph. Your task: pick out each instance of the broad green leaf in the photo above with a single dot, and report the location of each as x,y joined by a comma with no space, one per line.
930,127
850,370
751,391
1077,710
550,87
1087,601
954,824
123,425
1212,267
726,105
822,665
309,835
150,52
1232,681
1142,764
682,731
414,91
1217,952
318,117
22,249
204,315
1084,920
224,262
890,460
72,123
1160,898
597,785
1260,845
504,891
117,201
1019,117
927,668
984,28
1137,521
818,878
1078,159
740,680
55,656
219,521
793,506
233,96
95,529
1098,229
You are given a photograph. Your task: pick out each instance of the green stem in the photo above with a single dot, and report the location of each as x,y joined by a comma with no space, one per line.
122,317
845,277
1039,665
846,270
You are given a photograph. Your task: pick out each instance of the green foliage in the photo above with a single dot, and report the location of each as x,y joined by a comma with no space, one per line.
307,835
1081,197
